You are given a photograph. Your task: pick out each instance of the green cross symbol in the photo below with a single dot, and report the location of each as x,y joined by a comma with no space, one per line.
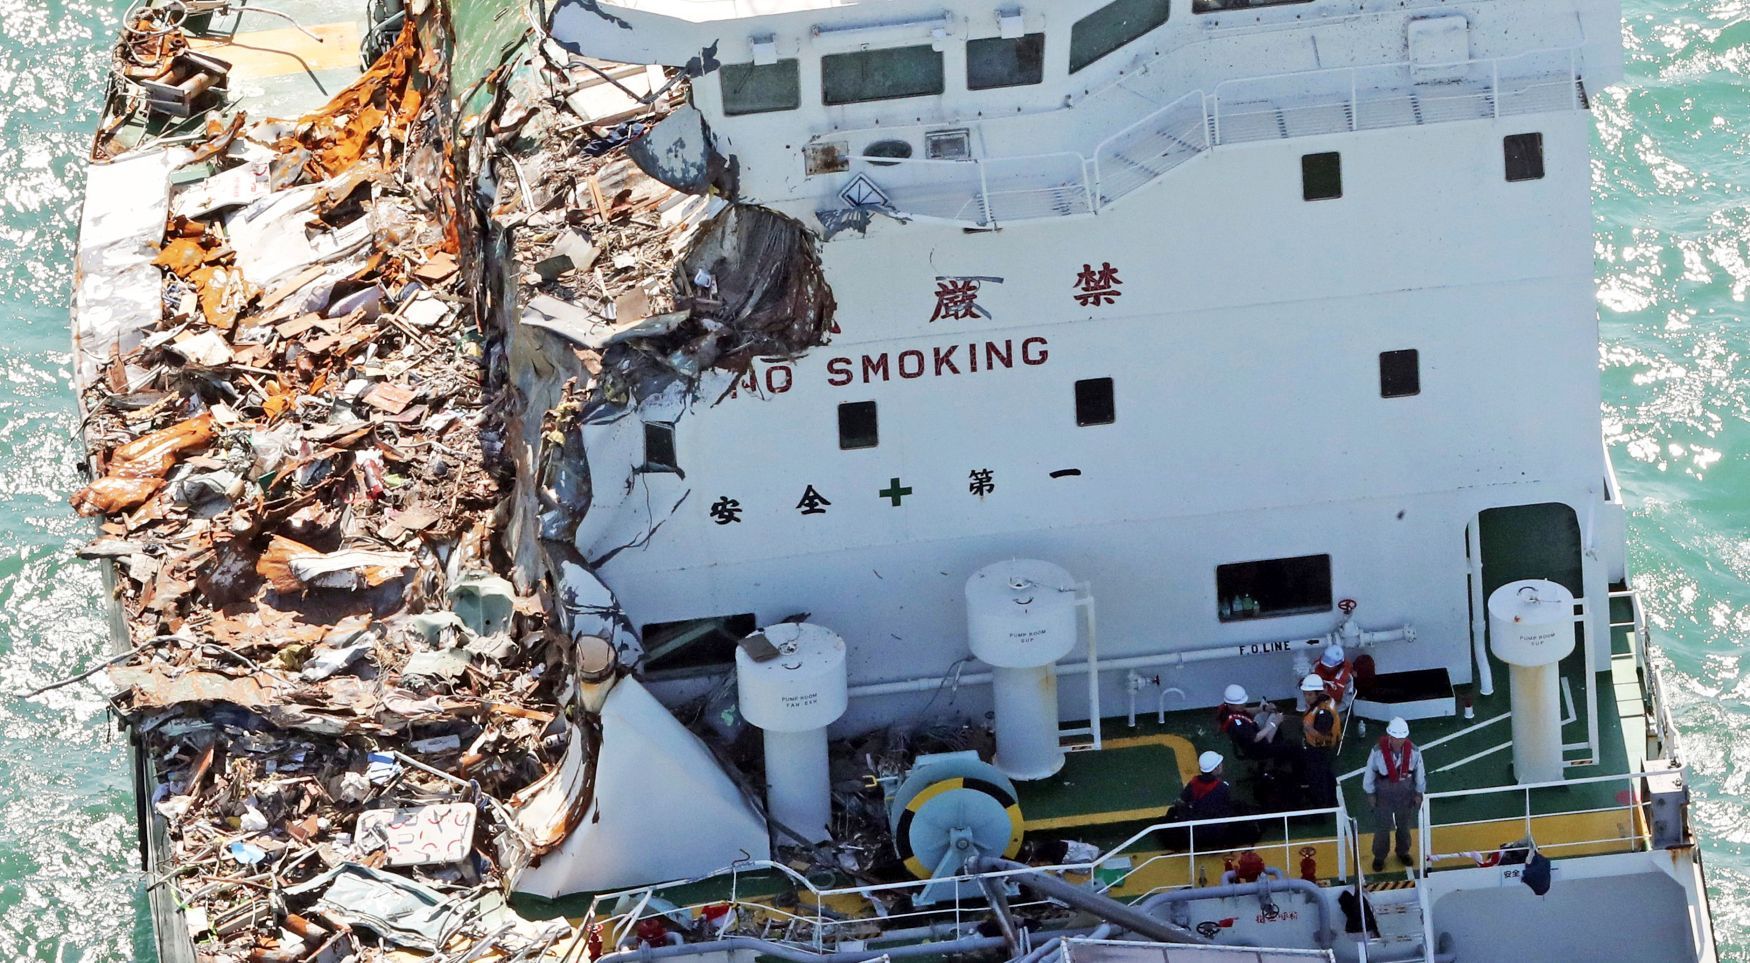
895,492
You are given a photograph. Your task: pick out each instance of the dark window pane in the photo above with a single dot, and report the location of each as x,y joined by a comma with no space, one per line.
758,88
1094,404
996,62
1216,6
1524,156
850,78
857,428
1321,176
659,447
695,643
1112,26
1272,587
1400,373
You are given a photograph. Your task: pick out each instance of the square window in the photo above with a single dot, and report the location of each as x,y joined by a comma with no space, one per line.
857,427
1321,176
1094,404
1400,374
659,447
760,88
1273,587
1524,155
998,62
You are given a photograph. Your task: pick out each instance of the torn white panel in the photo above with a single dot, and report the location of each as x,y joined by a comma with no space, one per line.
419,836
591,611
697,822
279,234
239,185
118,295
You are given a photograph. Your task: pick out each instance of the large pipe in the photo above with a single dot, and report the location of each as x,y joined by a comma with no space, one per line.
1158,659
796,954
1104,907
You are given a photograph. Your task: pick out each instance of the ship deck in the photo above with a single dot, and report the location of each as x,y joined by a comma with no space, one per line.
1113,795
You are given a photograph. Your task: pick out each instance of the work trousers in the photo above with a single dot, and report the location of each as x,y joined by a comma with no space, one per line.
1394,806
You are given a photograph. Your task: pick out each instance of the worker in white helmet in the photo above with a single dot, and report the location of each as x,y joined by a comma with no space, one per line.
1321,731
1337,672
1253,729
1208,795
1394,783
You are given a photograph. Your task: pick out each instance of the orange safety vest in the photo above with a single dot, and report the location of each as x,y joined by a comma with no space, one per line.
1337,679
1310,732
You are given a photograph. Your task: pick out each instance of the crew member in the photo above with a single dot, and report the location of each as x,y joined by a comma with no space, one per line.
1321,729
1394,784
1337,672
1207,795
1253,731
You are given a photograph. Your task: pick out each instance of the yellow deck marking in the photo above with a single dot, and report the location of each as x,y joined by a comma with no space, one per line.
276,53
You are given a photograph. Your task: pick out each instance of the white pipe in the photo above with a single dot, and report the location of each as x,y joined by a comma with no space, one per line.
1406,633
1479,608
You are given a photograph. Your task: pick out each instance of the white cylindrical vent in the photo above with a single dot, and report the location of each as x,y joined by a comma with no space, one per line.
793,698
1020,619
1531,628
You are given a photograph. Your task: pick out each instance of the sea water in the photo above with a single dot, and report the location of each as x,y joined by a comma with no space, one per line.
1671,179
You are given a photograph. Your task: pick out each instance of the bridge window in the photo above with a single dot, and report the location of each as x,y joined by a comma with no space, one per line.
1112,26
1094,404
1321,176
1217,6
889,74
857,425
1524,153
1273,587
760,88
999,62
1400,374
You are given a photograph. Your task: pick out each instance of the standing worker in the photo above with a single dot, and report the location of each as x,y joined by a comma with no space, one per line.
1321,729
1394,784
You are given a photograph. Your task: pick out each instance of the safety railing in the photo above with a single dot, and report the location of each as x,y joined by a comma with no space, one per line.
826,916
1342,99
1547,817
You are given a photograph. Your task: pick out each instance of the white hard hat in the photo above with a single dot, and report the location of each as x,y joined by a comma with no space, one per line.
1333,656
1398,728
1235,695
1312,683
1209,762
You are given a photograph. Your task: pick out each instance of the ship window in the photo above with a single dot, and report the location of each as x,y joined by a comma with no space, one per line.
1112,26
857,427
1400,374
1524,154
760,88
1001,62
1273,587
1217,6
1321,176
1094,402
888,74
659,447
695,643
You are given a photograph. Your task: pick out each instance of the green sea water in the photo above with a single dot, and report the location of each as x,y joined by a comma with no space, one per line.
1671,178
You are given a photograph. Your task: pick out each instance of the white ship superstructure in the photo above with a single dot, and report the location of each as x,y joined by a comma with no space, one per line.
1268,323
819,480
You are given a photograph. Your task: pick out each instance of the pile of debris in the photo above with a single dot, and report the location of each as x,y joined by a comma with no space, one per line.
295,474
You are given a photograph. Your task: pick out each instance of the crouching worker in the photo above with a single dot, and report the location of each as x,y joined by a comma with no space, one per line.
1253,731
1209,796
